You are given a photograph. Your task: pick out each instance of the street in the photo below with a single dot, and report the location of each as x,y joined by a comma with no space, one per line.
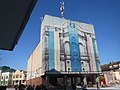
116,87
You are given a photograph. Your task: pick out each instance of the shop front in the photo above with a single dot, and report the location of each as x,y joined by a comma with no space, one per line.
64,79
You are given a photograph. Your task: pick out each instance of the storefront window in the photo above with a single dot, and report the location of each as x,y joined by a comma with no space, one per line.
60,81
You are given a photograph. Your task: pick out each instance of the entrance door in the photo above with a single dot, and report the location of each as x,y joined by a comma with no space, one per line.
68,81
53,80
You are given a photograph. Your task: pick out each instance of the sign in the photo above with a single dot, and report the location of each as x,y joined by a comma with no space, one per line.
55,72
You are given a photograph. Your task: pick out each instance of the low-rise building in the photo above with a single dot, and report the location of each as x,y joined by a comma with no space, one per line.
6,78
111,72
19,77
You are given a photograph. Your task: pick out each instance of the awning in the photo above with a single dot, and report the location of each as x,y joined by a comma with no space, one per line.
14,15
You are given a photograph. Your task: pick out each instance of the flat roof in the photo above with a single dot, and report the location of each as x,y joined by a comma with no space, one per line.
14,15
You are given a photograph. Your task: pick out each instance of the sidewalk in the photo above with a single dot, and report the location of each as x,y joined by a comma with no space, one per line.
10,89
117,87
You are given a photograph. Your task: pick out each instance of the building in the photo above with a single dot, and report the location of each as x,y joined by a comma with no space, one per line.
111,72
6,79
19,77
34,67
67,53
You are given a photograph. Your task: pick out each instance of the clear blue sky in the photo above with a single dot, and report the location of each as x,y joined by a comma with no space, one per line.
103,14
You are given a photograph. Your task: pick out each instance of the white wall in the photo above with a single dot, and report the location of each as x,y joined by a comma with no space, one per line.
34,63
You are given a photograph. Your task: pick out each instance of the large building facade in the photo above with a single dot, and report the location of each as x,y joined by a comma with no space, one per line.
68,52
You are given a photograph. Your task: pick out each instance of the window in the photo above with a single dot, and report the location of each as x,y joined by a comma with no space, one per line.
68,69
82,63
20,76
17,81
67,48
25,75
16,76
63,30
60,81
13,76
23,81
56,28
83,69
6,77
72,25
68,62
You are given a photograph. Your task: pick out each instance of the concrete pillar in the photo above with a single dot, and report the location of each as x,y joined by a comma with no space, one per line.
75,80
71,80
97,80
85,80
93,79
65,81
47,81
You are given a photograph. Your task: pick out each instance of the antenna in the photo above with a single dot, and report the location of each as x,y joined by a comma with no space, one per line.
41,18
62,9
88,21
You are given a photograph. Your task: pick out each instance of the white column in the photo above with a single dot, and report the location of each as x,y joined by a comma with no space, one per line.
85,80
97,80
57,50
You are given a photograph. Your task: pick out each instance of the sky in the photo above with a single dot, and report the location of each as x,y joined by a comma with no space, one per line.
103,14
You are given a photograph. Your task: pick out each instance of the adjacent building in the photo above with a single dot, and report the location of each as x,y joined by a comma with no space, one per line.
67,53
19,77
12,78
34,67
6,79
111,72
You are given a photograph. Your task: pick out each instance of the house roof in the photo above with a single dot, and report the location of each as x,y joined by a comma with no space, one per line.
106,67
14,16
